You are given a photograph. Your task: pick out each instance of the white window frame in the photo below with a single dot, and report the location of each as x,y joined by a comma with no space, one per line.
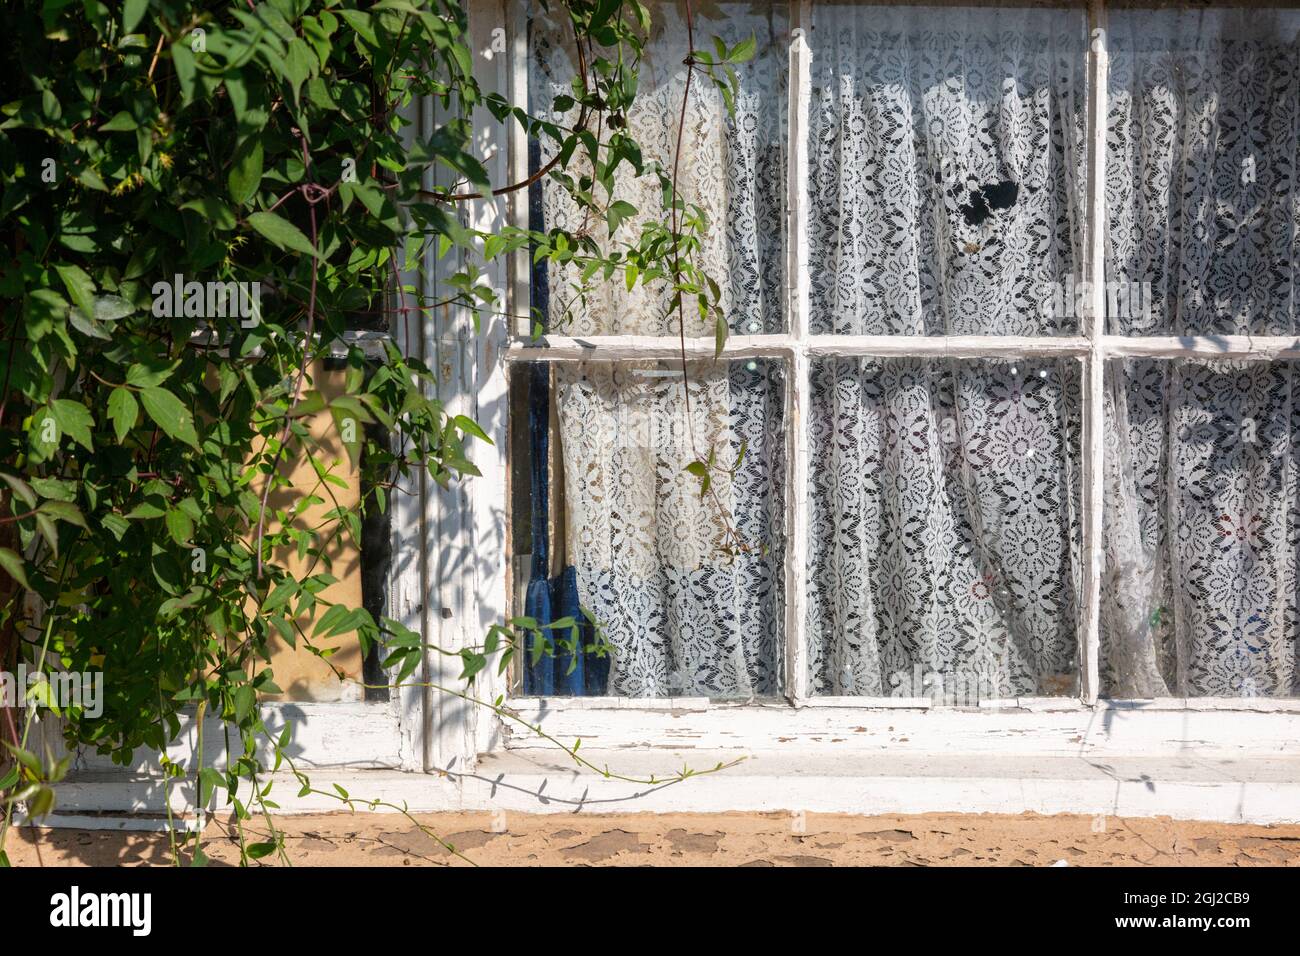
1017,725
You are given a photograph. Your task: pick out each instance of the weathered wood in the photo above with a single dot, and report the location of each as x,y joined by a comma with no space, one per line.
798,384
1092,544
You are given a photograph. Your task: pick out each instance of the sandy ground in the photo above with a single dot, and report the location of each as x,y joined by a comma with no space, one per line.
731,839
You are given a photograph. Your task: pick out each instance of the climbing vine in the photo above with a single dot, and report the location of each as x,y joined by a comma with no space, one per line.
200,201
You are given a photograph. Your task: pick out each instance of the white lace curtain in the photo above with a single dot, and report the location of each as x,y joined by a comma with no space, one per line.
1202,513
947,164
733,168
687,589
687,611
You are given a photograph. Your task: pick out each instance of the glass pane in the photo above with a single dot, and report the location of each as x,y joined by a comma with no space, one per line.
686,587
732,167
946,169
1203,174
944,554
1200,595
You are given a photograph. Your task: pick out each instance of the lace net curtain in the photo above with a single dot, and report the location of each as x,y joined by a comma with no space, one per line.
1202,514
946,184
687,589
947,167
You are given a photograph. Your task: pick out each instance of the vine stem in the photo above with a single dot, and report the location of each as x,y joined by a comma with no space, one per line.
729,531
312,197
30,714
551,739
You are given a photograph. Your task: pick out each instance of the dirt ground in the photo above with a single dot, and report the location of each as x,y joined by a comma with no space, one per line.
730,839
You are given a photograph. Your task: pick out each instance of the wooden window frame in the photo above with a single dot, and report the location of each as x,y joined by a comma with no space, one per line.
622,722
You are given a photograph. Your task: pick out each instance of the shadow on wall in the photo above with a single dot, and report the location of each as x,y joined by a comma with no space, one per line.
298,672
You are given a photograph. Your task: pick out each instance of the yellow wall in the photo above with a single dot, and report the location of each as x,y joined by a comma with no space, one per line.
298,672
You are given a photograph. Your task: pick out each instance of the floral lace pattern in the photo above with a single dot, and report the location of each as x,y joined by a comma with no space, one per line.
732,167
1203,201
944,525
1202,530
945,190
686,615
1203,170
683,615
946,166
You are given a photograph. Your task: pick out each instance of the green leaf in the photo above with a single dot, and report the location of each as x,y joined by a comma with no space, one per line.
21,489
63,511
283,233
210,781
80,287
132,11
169,414
471,427
49,531
258,850
744,50
244,699
701,471
41,804
144,375
54,488
214,210
116,524
122,411
145,510
123,122
11,562
173,606
179,526
360,22
183,63
74,420
246,172
298,64
617,212
280,596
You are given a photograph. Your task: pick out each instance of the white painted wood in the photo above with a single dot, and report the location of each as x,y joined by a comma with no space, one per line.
950,346
335,734
1254,347
128,823
618,348
1230,790
1092,782
519,302
683,706
798,385
1094,326
488,604
1134,728
678,705
409,572
368,341
621,722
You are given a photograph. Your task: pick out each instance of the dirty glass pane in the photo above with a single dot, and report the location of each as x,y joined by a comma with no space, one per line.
947,169
944,528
